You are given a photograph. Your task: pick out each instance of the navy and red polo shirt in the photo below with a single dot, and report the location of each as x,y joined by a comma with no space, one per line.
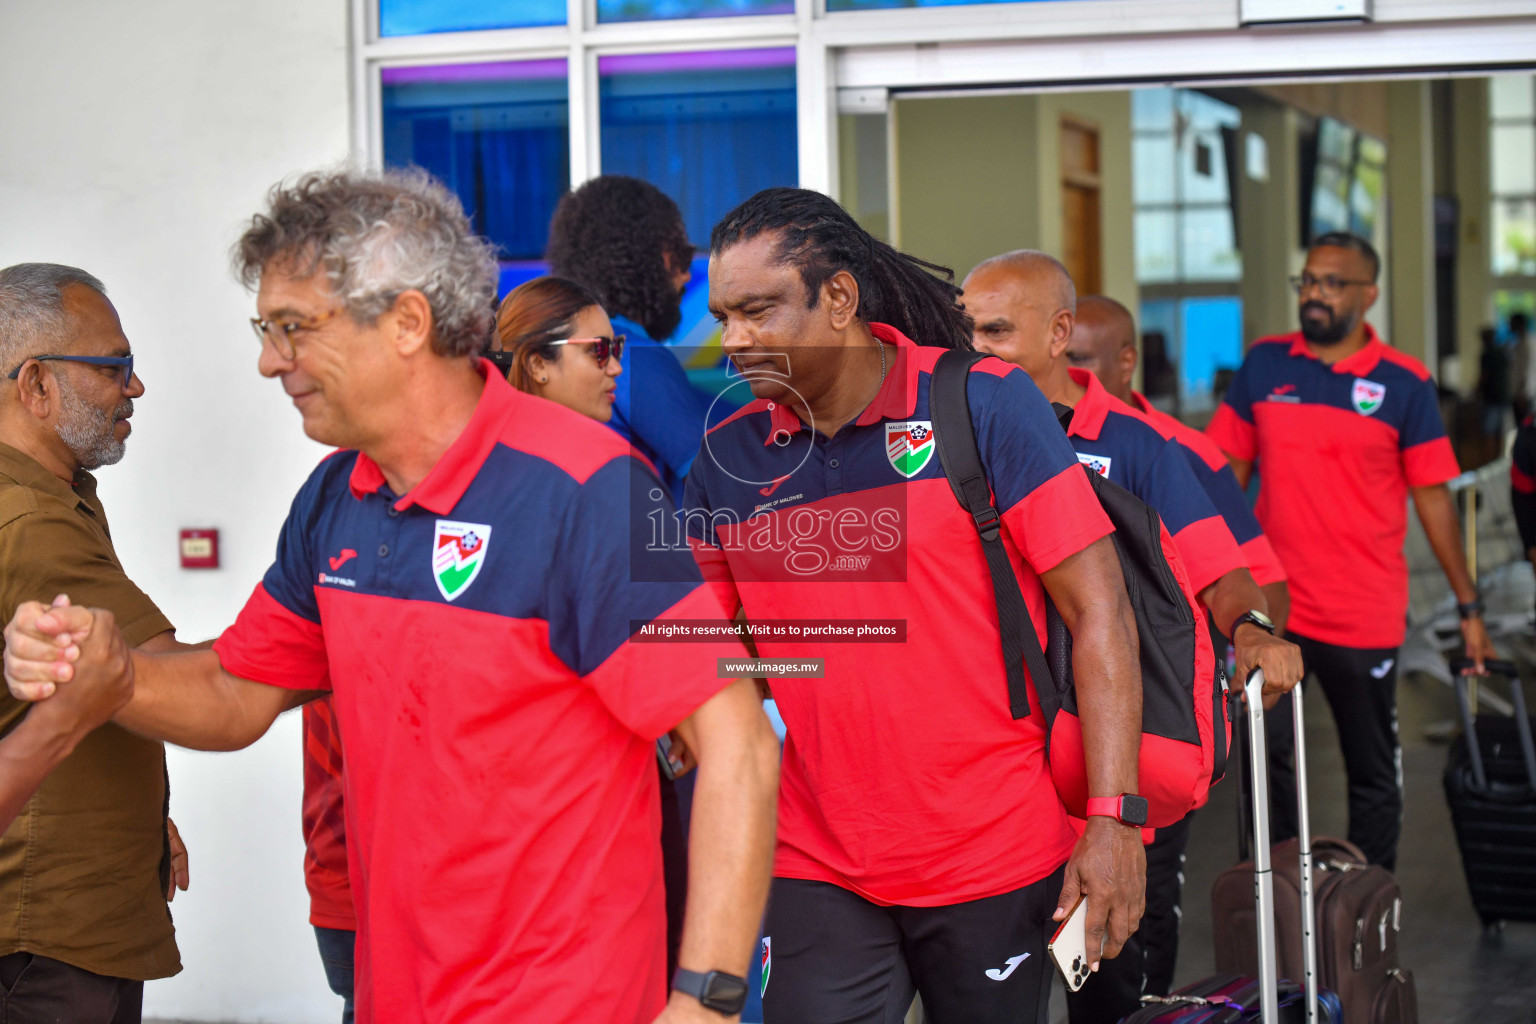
904,779
1522,482
1119,444
502,816
1215,474
1337,449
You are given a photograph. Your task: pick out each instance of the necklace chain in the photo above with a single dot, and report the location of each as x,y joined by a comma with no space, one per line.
881,346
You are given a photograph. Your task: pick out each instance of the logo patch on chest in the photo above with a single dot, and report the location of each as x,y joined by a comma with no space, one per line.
458,553
1098,463
1367,396
909,446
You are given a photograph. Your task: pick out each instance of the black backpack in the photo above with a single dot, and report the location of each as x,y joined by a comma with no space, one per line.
1185,732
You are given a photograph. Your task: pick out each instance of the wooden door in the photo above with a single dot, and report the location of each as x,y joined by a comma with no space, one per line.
1081,234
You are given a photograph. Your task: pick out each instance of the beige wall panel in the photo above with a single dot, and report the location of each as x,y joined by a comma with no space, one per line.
967,177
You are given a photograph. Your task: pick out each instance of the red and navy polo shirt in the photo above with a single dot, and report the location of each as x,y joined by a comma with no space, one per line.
904,779
502,815
1337,448
1119,444
1215,474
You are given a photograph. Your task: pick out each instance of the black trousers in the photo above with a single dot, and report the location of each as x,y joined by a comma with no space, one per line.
39,990
1146,962
1361,687
674,868
833,957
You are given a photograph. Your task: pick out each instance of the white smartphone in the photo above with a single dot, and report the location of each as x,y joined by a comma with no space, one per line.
1069,946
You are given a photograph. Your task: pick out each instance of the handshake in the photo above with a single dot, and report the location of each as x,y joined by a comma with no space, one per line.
72,661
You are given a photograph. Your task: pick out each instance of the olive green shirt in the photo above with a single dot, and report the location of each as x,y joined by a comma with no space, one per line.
81,867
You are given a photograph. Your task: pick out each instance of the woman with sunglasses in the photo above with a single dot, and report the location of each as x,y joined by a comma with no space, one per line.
538,323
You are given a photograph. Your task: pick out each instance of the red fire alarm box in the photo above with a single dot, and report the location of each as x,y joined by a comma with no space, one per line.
199,549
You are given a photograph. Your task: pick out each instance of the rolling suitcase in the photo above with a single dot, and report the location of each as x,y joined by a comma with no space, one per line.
1490,783
1228,998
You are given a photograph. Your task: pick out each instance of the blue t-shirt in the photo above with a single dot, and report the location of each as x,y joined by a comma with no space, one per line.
655,408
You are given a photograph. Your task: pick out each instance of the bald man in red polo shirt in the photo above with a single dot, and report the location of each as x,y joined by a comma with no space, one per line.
1343,430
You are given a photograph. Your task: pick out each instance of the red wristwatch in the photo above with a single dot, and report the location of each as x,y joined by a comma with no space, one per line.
1127,808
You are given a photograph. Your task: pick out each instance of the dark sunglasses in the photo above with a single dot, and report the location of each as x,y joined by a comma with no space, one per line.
123,363
602,349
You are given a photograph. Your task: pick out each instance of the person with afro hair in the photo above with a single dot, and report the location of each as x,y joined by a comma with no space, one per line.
623,239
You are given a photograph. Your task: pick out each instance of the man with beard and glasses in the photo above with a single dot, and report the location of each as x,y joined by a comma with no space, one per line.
88,864
1343,429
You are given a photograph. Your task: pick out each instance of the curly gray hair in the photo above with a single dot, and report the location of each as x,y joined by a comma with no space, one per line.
375,235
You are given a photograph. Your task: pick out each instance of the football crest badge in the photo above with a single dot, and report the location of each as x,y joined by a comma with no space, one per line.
1098,463
909,446
458,553
1367,396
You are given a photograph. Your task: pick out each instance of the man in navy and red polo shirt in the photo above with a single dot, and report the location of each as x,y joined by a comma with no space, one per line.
1343,429
1024,303
921,841
465,577
1103,342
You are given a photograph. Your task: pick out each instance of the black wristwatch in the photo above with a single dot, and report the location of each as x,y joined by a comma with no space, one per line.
1256,617
1472,609
718,991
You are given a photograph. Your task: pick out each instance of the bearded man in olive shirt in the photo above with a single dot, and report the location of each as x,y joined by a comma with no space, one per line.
86,867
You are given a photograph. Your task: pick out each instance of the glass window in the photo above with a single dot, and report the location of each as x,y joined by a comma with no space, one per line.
885,5
1512,144
1514,158
1152,110
1368,187
1208,247
1511,96
1153,158
646,10
709,129
1514,237
497,134
417,17
1181,157
1157,246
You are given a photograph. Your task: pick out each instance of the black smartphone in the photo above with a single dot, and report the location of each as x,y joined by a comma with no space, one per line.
664,755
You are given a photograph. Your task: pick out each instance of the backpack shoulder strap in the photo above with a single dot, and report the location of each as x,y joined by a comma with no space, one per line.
955,437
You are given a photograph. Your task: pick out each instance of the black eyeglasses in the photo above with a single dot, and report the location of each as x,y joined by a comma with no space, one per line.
1328,285
123,363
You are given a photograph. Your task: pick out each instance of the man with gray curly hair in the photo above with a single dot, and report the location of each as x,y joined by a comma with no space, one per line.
464,579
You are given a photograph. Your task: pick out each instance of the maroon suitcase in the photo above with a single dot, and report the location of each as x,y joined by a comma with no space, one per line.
1259,996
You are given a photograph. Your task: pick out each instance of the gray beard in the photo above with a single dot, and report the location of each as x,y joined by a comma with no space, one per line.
88,432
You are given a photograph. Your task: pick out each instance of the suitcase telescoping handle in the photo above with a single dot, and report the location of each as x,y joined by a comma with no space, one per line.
1509,670
1263,871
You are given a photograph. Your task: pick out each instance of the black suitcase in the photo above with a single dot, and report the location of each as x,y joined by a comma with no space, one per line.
1490,783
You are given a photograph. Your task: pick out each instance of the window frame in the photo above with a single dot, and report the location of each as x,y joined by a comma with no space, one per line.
1147,42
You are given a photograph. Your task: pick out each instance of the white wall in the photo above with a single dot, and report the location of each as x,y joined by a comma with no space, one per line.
134,139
